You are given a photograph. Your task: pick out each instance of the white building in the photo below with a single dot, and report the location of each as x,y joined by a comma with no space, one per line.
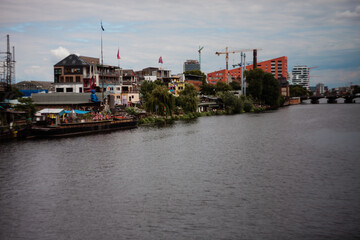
80,74
301,76
320,89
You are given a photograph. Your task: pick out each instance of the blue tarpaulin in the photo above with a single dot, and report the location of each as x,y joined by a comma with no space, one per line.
77,111
27,93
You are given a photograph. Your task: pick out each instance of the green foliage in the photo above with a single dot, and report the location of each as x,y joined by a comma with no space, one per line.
27,105
207,89
188,99
235,85
248,105
158,99
232,103
254,83
147,87
222,87
263,87
271,90
298,91
131,111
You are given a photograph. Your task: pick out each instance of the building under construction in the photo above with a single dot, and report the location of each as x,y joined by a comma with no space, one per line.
7,70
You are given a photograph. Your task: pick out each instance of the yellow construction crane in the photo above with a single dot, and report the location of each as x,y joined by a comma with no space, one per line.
238,51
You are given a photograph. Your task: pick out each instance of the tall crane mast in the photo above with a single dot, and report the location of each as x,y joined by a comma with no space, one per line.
238,51
200,48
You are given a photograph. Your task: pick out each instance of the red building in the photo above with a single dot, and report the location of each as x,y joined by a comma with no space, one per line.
277,66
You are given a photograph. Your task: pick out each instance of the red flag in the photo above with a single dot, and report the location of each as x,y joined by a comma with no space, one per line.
160,60
118,55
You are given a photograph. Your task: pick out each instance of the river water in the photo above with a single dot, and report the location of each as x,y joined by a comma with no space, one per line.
292,173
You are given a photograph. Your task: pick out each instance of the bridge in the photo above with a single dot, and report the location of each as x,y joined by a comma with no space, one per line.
331,98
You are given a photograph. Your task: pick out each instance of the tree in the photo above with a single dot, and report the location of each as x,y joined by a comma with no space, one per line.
188,99
158,99
207,89
263,87
271,90
298,91
235,85
232,103
27,105
148,87
254,83
222,87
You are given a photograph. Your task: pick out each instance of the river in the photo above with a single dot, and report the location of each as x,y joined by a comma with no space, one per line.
292,173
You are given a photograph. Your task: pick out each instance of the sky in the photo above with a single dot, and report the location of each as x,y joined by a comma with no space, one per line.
318,33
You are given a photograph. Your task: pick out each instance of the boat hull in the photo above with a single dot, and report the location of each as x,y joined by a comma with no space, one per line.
82,128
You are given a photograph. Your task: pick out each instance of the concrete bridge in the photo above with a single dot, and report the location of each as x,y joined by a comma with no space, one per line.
331,98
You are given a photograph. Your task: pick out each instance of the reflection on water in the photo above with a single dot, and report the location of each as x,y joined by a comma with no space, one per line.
286,174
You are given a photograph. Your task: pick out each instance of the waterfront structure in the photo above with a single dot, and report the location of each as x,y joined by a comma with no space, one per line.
191,65
81,74
153,74
66,101
301,76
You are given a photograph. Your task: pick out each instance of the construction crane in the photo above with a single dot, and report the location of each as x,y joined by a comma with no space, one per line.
200,48
238,51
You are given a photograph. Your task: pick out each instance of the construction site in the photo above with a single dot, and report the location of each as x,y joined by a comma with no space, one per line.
7,70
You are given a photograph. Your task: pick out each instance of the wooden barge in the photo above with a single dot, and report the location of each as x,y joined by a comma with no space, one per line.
71,129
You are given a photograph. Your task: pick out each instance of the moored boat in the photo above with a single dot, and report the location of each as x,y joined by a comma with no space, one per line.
71,129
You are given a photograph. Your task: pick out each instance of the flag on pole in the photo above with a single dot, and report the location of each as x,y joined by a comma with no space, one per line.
118,54
160,60
102,27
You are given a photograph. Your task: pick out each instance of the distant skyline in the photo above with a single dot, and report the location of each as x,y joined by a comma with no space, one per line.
324,33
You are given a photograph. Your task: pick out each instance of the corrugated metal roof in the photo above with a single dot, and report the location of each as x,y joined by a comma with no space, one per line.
51,110
63,98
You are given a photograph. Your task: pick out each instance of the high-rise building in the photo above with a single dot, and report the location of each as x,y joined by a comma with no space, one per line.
320,89
191,65
301,76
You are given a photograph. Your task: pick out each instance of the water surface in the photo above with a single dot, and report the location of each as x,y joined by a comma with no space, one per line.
286,174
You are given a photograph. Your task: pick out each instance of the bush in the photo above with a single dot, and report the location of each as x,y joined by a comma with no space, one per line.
248,106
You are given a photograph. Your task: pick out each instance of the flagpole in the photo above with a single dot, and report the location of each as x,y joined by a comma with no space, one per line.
102,62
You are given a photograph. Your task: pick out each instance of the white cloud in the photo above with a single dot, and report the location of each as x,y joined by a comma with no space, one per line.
60,52
349,13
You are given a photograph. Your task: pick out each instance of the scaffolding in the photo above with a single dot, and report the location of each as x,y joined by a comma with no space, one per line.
7,67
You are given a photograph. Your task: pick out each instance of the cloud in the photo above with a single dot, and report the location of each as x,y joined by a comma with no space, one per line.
350,14
321,33
60,52
339,77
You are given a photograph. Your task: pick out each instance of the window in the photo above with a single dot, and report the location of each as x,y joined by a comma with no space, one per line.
77,78
58,71
80,90
59,89
69,89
